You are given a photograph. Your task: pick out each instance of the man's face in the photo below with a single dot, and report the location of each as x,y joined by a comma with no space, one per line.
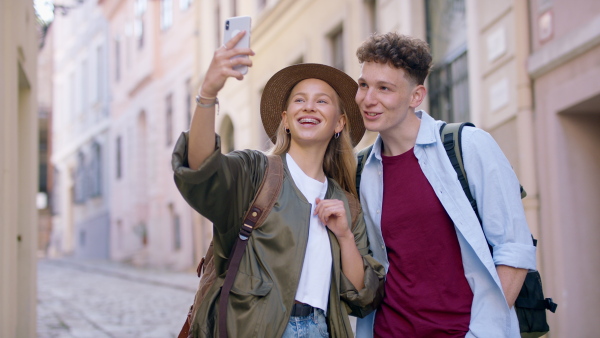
385,97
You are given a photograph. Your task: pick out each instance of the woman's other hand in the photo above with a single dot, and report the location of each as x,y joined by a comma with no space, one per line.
332,213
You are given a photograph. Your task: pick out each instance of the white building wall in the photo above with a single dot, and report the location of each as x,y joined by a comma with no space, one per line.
80,225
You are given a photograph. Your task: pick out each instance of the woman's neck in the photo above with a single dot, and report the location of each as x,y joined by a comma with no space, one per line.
310,160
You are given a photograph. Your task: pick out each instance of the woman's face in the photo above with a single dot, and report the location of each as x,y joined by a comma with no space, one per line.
313,112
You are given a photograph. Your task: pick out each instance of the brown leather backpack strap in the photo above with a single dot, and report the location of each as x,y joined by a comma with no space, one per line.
185,330
265,199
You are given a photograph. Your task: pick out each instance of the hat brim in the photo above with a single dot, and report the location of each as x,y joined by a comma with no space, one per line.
278,88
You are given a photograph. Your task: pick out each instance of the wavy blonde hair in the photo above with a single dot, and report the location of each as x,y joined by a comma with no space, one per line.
339,161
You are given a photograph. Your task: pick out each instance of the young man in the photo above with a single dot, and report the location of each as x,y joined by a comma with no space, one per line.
442,280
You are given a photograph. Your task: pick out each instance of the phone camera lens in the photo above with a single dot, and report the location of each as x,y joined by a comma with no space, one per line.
227,24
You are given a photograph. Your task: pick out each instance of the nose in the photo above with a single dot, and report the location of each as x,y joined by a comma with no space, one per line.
309,105
366,97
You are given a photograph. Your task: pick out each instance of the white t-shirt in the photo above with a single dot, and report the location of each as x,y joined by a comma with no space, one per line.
315,279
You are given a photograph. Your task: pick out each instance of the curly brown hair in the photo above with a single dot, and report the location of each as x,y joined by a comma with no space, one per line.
400,51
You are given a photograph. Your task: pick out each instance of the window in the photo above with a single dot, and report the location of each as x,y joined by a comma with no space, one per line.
99,73
169,118
298,60
184,4
81,238
371,16
176,226
337,49
96,171
55,193
72,96
138,25
449,79
83,88
218,23
188,101
79,179
262,4
166,14
117,59
119,147
233,7
119,234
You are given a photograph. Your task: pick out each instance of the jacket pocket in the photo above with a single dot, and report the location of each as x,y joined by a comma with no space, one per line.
247,303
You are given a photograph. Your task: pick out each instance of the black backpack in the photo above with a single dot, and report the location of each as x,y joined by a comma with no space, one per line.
530,304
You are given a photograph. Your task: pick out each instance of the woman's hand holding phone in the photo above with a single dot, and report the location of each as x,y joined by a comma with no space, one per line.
224,64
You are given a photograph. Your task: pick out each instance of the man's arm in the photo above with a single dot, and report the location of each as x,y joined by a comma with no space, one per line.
512,280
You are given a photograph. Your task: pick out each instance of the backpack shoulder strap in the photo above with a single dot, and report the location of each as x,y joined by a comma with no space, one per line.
451,136
361,159
265,199
267,195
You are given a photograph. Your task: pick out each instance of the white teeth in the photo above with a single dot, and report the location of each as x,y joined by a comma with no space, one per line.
308,120
372,114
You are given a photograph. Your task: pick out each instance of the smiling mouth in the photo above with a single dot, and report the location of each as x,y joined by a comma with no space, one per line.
309,121
371,114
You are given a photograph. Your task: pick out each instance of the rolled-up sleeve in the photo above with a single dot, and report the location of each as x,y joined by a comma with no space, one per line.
364,301
496,189
222,188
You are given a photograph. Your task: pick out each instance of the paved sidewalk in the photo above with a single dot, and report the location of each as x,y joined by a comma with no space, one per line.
82,298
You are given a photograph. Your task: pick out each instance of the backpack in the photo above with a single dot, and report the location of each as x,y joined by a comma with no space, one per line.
261,206
530,304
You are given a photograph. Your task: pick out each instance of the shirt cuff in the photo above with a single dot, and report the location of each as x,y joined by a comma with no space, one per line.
516,255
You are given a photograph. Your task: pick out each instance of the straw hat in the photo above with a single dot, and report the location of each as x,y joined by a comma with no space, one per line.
278,88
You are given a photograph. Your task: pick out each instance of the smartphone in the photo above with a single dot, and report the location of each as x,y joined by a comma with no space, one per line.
233,26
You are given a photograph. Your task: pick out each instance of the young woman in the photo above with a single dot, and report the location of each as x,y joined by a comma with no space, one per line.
306,267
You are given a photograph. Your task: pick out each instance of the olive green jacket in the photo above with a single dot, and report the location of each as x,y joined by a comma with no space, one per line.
265,285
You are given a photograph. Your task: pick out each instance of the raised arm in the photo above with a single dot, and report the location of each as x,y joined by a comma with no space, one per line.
202,128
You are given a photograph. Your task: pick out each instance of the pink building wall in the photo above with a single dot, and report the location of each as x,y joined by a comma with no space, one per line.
565,70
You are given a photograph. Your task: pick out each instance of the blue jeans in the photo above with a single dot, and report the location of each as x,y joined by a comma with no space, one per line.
311,326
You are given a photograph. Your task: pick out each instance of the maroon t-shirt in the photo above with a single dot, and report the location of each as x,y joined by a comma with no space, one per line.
426,292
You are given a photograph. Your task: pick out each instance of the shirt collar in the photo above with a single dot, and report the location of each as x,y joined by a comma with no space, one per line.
427,130
426,135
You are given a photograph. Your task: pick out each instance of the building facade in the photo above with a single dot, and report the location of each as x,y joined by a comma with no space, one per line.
18,159
151,62
80,129
564,68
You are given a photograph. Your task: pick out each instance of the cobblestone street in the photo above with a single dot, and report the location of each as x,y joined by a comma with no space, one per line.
98,299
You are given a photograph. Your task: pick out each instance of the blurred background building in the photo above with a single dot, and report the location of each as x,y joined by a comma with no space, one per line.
117,81
19,168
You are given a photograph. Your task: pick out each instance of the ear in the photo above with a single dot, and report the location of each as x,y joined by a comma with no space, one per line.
284,119
418,95
340,124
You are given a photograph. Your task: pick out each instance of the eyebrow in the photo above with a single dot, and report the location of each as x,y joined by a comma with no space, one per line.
317,94
379,83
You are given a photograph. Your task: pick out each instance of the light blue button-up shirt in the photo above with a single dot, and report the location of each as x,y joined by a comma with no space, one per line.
496,189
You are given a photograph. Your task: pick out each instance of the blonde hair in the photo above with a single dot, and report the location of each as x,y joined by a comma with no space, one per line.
339,162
